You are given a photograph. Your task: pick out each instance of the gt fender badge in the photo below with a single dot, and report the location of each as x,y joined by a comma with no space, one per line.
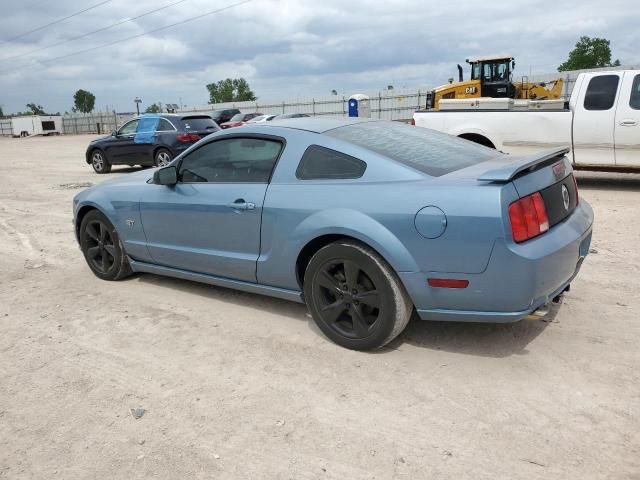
129,222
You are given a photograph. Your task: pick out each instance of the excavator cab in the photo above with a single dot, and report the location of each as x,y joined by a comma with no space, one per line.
494,75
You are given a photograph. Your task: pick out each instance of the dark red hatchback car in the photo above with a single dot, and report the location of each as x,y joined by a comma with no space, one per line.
239,120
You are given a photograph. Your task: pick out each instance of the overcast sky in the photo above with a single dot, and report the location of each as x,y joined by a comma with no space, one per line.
284,48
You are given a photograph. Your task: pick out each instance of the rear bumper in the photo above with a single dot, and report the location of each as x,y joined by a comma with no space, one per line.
519,278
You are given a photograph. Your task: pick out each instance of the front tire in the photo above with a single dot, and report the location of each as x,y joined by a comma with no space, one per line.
355,297
102,248
99,162
163,157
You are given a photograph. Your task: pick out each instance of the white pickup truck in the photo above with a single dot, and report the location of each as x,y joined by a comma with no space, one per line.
601,125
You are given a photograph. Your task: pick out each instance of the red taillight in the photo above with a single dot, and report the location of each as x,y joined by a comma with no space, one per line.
528,217
187,137
412,122
447,283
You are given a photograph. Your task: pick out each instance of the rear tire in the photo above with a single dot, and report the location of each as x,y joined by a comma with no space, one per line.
102,247
163,157
355,296
99,162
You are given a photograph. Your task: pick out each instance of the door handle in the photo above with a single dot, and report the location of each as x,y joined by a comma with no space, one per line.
628,123
241,205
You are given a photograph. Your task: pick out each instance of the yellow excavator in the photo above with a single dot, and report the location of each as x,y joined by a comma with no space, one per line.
493,77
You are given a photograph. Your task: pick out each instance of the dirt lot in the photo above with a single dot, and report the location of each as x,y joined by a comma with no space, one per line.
240,386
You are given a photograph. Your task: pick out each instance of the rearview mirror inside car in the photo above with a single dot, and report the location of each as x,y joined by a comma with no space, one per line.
166,176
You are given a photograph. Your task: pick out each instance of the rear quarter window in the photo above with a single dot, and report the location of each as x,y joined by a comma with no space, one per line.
164,126
320,163
430,152
634,99
601,92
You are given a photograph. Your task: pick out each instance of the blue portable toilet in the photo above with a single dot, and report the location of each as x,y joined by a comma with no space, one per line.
359,106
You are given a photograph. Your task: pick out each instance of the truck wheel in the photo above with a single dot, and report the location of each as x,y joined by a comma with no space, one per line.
99,162
355,297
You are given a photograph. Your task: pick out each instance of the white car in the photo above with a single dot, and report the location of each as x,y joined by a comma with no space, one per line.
262,119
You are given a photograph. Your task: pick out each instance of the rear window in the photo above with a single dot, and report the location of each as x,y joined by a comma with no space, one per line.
199,123
427,151
238,117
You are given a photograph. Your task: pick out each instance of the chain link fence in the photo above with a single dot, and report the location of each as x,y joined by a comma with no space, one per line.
97,122
386,105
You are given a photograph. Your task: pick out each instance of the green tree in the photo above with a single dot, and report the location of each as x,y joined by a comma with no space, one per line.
230,90
589,53
35,109
154,108
83,101
1,112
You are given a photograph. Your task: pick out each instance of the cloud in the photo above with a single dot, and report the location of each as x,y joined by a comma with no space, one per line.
286,47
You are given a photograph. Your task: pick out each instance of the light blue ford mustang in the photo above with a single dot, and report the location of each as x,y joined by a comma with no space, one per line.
365,221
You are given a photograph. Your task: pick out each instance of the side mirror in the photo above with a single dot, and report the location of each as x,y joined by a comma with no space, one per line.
114,133
166,176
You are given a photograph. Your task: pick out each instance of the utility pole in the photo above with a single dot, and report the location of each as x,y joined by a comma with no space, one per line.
138,102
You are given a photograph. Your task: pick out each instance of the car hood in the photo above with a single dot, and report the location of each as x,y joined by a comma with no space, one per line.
100,139
130,178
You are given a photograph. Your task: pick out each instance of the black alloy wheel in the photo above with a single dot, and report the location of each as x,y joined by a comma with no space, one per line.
347,298
101,246
355,296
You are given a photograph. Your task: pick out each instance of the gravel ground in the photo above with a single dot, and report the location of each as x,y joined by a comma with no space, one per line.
238,386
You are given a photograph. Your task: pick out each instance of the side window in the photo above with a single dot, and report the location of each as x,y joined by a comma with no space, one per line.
235,160
164,126
634,101
601,92
319,163
129,128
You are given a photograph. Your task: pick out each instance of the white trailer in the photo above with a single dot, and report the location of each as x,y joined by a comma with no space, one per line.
601,125
36,125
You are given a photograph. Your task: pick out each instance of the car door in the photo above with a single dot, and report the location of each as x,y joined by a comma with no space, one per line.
627,125
593,120
122,143
209,222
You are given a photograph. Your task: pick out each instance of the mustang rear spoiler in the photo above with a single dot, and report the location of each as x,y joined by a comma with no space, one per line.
520,164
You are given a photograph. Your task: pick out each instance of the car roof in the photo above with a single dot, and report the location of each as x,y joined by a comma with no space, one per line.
317,124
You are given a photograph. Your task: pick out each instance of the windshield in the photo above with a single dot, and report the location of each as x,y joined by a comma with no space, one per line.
257,119
238,117
425,150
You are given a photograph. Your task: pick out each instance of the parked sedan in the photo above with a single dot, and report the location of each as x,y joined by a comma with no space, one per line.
224,115
239,120
148,140
365,221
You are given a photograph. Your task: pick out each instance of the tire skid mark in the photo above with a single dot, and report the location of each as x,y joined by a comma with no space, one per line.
22,237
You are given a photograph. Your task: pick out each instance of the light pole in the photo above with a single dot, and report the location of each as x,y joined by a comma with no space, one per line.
138,102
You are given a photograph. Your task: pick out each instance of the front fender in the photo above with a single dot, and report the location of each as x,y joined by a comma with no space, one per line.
123,213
